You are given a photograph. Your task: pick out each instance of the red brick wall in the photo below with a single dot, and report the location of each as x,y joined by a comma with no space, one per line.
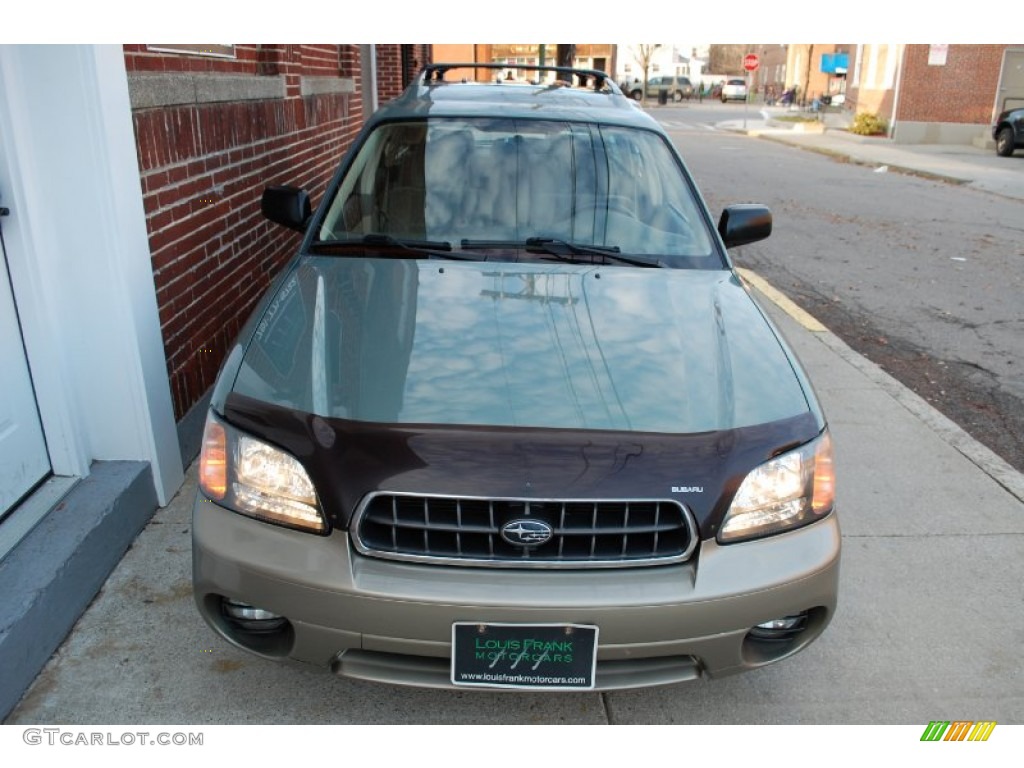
961,91
390,83
389,73
203,167
138,58
348,56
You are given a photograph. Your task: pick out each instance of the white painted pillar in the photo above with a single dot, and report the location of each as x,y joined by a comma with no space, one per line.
79,259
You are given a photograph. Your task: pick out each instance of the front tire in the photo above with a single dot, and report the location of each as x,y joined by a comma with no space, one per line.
1004,142
635,95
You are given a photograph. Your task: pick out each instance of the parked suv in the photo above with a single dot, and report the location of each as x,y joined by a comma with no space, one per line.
678,88
1008,131
509,418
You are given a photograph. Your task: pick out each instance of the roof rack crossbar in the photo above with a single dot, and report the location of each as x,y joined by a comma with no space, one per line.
586,77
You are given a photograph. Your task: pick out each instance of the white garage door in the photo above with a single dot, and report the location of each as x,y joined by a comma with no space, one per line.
1011,81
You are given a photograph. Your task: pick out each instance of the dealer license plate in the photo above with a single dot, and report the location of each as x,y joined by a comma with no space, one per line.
531,656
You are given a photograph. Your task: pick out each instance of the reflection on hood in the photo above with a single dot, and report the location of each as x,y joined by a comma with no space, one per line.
528,345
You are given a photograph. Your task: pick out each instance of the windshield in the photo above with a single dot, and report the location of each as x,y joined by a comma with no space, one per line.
481,184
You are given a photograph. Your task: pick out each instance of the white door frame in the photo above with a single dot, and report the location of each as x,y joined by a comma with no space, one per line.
24,460
79,260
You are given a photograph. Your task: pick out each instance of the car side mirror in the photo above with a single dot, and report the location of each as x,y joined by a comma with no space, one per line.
745,223
288,206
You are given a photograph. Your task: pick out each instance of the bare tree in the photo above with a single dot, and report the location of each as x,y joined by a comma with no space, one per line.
726,59
642,54
807,71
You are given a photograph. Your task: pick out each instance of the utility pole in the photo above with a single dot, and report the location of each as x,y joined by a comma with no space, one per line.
563,57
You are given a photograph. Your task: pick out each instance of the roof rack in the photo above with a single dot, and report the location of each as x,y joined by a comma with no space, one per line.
587,78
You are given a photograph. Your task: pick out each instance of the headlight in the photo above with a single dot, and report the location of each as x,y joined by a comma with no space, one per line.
789,491
257,479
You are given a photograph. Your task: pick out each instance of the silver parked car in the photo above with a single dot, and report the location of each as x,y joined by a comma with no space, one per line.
509,419
734,89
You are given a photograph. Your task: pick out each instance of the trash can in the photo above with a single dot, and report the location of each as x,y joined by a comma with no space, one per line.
663,96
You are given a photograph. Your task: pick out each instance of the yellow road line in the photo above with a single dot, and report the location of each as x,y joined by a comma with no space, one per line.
780,300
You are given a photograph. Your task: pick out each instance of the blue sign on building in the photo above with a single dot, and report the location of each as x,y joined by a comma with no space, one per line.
835,63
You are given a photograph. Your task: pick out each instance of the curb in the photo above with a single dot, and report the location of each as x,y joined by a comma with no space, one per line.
845,156
798,126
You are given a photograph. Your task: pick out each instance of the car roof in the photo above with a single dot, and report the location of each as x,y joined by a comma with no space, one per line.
516,99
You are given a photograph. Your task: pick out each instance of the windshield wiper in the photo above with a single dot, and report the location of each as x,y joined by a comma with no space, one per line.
564,250
424,249
567,251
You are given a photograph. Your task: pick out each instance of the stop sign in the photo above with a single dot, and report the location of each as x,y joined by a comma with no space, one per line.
751,62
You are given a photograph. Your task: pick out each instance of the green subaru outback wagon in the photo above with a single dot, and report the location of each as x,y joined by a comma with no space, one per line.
509,419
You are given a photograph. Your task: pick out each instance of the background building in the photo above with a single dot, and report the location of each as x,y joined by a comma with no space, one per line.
938,94
600,56
674,59
810,67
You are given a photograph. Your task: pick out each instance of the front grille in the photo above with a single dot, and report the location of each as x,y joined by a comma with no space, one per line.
468,531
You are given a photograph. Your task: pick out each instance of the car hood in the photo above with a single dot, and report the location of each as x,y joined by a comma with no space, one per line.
529,345
505,380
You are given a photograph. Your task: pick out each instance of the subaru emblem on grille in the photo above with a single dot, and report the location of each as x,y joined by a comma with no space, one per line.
526,533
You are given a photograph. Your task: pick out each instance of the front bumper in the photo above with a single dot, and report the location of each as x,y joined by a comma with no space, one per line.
392,622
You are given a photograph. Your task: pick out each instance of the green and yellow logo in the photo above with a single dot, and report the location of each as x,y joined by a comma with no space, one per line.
958,730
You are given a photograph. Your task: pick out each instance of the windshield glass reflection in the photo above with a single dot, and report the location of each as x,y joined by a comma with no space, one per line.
503,180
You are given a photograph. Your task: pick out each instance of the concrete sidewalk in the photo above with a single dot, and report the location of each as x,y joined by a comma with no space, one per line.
962,164
929,626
